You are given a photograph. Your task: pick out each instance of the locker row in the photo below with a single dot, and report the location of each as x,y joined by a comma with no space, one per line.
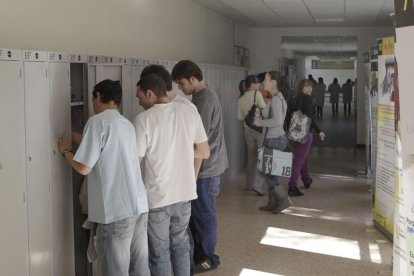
46,95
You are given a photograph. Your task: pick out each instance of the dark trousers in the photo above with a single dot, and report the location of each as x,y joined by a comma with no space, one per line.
334,108
347,107
319,111
300,161
203,222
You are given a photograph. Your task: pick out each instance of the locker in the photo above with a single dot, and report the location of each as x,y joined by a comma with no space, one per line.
103,68
61,172
79,111
13,204
136,70
37,115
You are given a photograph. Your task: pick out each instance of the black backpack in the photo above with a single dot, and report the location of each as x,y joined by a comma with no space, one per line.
249,119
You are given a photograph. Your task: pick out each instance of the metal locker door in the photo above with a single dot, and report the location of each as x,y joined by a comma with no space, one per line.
13,208
135,107
61,172
38,163
127,93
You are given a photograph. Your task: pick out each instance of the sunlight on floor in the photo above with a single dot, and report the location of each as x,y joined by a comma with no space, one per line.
250,272
336,177
374,253
318,214
312,243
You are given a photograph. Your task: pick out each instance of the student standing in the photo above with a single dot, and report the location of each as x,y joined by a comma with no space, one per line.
117,199
170,136
203,223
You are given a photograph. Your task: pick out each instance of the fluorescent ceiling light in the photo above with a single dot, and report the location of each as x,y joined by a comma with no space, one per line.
329,20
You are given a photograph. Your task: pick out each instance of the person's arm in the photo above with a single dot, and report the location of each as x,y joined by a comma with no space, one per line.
66,150
277,119
308,110
201,151
77,138
240,115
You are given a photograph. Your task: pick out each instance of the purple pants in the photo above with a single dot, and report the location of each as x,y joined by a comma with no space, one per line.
300,161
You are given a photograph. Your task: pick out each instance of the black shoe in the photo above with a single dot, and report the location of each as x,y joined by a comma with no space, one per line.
295,192
204,266
308,184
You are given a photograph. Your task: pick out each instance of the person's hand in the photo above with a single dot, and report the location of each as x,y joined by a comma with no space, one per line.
64,144
257,121
322,135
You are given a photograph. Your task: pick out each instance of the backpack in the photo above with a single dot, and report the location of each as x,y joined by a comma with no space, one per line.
299,127
249,119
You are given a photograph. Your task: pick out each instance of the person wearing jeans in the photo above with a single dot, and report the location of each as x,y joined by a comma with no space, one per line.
167,231
170,137
303,102
204,223
189,78
119,239
117,200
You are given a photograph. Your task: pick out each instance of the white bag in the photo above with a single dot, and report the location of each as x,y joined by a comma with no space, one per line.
274,162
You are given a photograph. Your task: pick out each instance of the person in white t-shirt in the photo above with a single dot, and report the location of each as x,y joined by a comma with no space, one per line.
170,136
162,72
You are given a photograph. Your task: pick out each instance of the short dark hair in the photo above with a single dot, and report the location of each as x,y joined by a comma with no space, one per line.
154,83
109,90
261,76
185,69
249,80
160,71
320,79
242,87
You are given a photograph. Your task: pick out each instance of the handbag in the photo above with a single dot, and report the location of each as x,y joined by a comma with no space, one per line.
249,119
299,127
273,161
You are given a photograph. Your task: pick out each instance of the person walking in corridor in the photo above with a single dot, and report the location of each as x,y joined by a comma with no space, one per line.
334,90
303,102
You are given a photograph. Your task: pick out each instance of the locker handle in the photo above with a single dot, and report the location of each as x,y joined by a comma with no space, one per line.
30,159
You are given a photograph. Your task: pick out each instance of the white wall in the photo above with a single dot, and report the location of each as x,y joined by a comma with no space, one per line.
327,74
162,29
265,51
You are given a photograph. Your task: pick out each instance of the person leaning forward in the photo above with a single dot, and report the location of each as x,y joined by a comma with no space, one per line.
171,137
117,200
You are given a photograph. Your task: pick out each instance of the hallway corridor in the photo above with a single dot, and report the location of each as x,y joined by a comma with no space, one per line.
329,231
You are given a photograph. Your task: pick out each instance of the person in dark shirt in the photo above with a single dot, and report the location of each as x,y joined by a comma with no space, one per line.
303,102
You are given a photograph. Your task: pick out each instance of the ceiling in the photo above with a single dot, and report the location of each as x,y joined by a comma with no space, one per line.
325,47
304,13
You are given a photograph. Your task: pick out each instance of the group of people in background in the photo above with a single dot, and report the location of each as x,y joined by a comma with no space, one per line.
334,90
163,221
270,92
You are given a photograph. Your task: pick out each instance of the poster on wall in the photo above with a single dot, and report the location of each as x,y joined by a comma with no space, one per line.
367,71
404,16
385,167
373,99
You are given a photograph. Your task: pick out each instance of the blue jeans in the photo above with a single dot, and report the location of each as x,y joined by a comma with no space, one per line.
168,241
279,143
122,247
204,219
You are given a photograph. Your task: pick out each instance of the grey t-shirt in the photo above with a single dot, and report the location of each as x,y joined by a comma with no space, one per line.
209,107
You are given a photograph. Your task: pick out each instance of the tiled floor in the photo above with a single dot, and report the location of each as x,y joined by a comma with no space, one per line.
328,231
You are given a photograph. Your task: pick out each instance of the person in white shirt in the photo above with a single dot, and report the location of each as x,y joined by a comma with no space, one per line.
170,137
